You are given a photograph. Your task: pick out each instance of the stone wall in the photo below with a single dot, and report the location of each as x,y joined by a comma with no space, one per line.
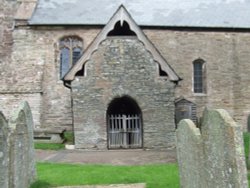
213,156
227,59
34,75
122,67
224,53
11,101
7,12
29,66
17,157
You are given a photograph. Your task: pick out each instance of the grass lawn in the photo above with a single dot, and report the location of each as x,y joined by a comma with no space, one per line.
246,137
49,146
155,176
68,137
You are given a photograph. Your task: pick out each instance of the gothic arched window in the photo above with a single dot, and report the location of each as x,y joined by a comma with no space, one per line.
71,49
199,76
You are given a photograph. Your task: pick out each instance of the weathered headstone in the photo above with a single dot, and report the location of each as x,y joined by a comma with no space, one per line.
22,165
213,156
189,150
4,152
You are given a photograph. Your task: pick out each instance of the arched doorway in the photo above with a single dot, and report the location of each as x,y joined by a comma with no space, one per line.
124,124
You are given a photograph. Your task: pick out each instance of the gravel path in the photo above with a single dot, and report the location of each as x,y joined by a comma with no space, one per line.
113,157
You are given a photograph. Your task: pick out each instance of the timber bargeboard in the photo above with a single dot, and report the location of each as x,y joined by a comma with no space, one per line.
121,15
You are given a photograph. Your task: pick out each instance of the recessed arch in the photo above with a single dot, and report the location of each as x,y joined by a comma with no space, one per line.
123,105
124,123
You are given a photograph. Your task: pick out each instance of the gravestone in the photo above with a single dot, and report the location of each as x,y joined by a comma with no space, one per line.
4,152
22,160
213,156
189,150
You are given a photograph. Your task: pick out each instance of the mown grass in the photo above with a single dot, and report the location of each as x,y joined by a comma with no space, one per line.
246,137
68,137
49,146
155,176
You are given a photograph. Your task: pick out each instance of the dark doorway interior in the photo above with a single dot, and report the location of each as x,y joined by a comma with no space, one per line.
124,120
123,105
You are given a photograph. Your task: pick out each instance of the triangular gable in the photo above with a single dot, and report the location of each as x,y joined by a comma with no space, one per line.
121,15
181,99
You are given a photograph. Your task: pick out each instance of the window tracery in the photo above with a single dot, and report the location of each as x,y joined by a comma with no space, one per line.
71,49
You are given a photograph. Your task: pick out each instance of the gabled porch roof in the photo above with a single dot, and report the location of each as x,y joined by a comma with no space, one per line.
121,15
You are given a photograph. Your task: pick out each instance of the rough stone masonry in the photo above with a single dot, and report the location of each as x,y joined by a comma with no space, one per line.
212,156
17,161
122,76
30,62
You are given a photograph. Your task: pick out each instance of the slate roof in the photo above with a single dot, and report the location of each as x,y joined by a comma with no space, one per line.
174,13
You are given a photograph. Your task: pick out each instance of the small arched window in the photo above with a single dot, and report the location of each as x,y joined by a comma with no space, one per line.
199,76
71,49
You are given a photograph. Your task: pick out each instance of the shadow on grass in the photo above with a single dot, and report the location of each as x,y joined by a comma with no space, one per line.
40,184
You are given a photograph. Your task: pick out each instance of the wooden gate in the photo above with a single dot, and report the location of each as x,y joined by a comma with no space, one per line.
124,131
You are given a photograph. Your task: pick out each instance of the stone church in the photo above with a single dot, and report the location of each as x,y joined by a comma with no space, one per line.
122,73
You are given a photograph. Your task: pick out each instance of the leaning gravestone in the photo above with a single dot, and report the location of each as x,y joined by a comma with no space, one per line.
4,152
213,156
17,159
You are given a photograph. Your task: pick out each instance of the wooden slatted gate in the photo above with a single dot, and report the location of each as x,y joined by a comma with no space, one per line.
124,131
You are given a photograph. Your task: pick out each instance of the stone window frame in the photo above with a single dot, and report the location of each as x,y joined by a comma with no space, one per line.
199,84
73,44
